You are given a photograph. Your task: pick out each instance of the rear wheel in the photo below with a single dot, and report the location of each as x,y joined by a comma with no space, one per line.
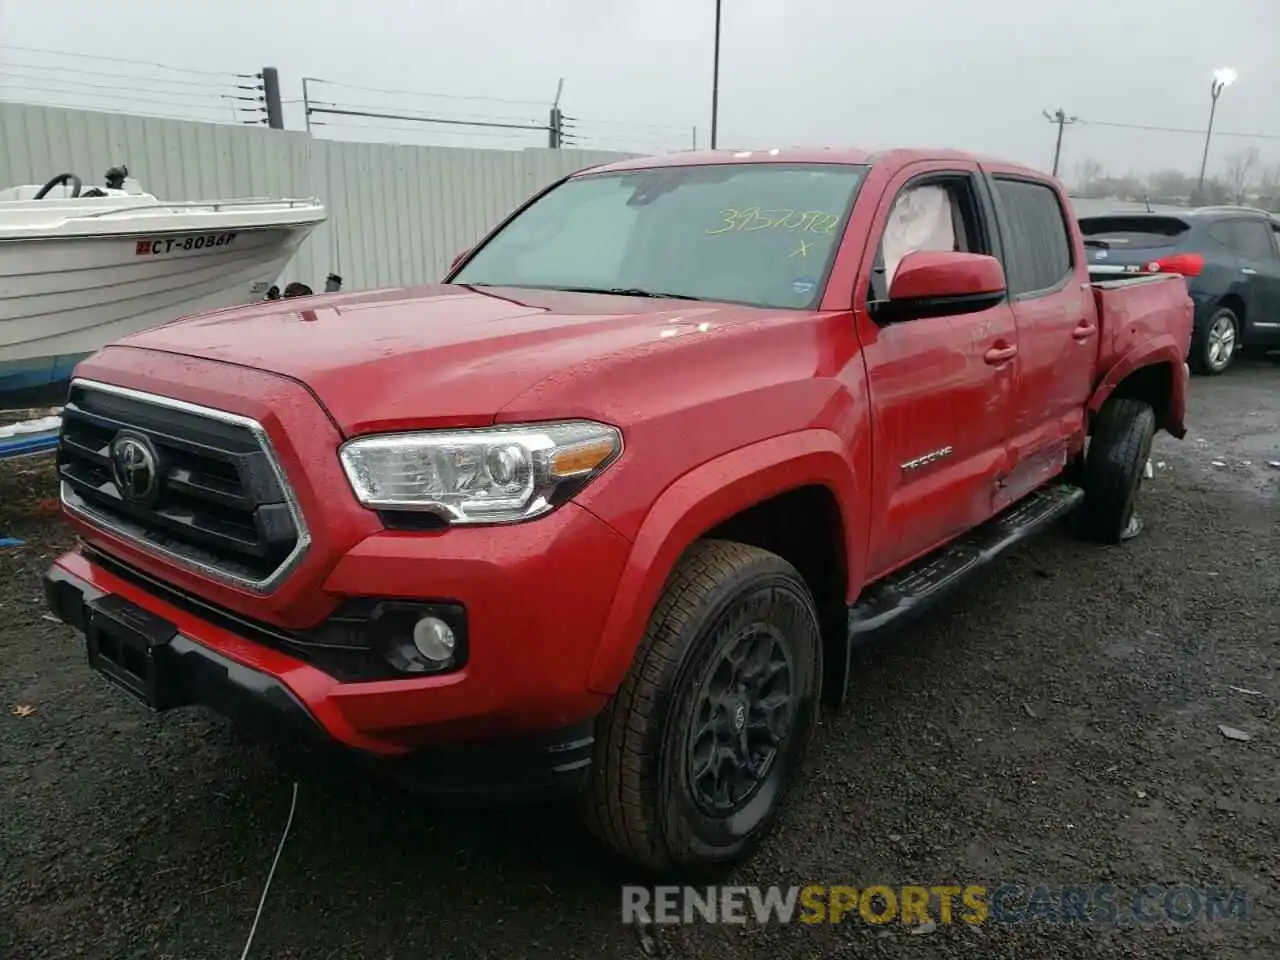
702,743
1214,352
1119,449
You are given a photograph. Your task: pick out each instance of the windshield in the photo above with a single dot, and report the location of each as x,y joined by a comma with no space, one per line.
759,234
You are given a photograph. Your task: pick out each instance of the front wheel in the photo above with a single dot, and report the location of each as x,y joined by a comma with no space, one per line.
1213,352
702,743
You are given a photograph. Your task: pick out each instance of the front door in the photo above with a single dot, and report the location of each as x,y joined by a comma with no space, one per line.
941,387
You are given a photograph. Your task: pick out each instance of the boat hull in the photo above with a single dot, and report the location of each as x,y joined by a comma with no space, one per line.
62,299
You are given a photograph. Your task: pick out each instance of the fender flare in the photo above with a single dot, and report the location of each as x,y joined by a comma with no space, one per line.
699,500
1157,350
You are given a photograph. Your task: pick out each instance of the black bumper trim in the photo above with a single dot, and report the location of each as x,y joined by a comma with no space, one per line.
550,766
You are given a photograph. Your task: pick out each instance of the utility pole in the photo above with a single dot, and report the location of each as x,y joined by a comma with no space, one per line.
555,128
1060,118
695,138
715,81
306,102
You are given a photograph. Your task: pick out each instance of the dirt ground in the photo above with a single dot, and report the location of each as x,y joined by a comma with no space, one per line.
1057,724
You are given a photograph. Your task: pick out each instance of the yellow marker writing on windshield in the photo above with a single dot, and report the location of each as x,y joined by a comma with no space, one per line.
754,219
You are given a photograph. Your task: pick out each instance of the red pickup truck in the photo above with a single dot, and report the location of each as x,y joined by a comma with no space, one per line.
604,514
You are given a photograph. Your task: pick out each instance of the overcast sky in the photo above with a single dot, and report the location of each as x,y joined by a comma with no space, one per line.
974,74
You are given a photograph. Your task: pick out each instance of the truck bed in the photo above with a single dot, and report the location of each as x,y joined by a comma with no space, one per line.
1136,310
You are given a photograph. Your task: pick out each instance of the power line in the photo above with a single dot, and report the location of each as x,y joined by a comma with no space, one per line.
168,81
400,116
1198,133
132,95
632,126
418,93
140,63
320,106
142,94
351,124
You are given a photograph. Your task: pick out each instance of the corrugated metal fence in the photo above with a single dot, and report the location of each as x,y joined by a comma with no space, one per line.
397,214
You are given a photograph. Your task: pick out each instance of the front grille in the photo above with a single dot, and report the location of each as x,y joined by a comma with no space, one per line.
219,502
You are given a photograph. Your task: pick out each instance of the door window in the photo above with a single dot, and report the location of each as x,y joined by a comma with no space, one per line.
938,213
923,218
1037,241
1248,238
1255,239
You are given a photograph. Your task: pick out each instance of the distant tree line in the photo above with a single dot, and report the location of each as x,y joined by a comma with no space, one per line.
1243,179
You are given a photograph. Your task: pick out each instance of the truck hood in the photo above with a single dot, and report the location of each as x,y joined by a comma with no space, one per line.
429,356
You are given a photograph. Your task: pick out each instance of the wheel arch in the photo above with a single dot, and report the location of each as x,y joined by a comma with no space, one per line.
1154,372
796,495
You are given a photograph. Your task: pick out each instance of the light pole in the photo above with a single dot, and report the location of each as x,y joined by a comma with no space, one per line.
1222,79
715,81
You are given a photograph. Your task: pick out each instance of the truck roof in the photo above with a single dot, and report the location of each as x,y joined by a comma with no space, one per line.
844,155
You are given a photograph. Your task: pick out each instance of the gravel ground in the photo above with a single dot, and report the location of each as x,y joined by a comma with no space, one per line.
1056,724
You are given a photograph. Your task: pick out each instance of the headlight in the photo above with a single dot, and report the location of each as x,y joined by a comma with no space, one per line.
490,475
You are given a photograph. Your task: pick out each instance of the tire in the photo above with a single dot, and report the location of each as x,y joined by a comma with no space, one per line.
1213,352
646,801
1118,452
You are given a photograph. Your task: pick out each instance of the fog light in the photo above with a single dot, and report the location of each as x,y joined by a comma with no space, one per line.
434,639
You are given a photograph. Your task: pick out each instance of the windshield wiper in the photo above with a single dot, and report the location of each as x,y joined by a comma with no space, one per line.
631,292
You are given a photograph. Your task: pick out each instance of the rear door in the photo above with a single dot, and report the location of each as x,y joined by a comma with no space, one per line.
1057,329
1238,249
940,387
1260,264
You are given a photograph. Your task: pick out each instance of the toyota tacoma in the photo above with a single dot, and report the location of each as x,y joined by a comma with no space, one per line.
603,514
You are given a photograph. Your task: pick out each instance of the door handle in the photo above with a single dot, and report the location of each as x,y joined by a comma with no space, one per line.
1248,271
998,355
1084,331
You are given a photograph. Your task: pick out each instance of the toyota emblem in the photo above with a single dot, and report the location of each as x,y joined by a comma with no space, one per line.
134,467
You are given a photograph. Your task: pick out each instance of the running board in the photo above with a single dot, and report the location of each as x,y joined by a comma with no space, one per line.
904,595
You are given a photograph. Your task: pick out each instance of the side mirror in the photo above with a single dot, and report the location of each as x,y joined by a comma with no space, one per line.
943,283
458,259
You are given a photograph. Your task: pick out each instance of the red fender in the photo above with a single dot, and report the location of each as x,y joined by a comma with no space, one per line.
1160,349
702,498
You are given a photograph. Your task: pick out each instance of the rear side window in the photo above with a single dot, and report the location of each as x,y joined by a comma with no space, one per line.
1252,238
1037,244
1135,232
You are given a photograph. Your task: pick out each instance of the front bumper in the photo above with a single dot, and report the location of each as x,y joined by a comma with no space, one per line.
162,656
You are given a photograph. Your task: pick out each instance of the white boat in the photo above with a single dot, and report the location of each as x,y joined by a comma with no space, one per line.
82,267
